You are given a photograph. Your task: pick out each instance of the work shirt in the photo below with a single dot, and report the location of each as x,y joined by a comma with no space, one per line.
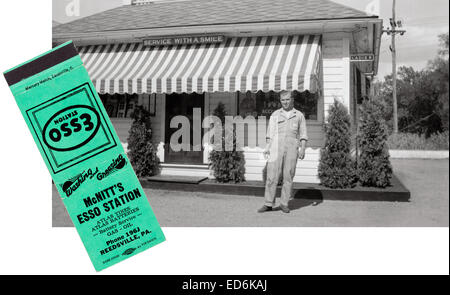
287,127
286,131
287,114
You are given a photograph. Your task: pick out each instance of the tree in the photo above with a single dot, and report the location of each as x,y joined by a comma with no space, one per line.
227,166
422,96
336,167
142,153
443,43
374,168
440,71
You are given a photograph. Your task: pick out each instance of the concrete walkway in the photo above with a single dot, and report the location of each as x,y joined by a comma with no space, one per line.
426,179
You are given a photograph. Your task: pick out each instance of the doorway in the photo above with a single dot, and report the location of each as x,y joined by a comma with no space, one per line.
183,104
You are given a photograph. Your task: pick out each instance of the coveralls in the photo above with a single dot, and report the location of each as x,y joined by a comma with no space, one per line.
285,135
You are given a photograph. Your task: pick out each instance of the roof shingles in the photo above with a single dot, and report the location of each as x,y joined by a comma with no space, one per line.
207,12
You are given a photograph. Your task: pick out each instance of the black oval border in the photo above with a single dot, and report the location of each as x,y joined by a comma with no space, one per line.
78,145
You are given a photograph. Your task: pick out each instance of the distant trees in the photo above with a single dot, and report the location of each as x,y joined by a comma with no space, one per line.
440,67
422,95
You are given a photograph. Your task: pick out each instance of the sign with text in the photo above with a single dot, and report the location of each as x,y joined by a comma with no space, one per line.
184,40
362,57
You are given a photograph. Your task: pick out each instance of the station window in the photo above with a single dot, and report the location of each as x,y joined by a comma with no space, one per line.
119,105
265,103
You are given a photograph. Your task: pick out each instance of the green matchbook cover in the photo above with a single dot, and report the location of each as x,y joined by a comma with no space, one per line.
84,156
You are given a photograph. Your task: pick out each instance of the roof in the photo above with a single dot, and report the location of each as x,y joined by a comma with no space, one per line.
155,15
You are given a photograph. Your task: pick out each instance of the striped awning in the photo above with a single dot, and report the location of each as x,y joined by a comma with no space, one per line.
238,64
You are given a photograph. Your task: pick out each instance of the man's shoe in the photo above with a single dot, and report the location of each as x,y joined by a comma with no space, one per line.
285,209
264,209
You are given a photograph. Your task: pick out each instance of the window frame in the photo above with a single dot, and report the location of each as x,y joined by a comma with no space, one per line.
240,95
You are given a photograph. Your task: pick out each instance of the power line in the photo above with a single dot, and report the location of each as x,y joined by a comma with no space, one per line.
418,121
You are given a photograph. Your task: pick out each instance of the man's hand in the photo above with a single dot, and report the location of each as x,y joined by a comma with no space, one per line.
266,153
301,153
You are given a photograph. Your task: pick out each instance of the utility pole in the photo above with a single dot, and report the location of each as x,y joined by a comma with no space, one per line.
393,31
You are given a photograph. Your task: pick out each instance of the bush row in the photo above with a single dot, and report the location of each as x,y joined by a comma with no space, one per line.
338,168
370,166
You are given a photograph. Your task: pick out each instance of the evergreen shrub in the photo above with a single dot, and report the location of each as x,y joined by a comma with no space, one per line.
141,152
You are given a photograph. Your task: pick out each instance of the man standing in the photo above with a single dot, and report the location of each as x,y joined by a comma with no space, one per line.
286,142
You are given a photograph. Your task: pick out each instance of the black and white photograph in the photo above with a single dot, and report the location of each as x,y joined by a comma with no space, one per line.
225,146
291,113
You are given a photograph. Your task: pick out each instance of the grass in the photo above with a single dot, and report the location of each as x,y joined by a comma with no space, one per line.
409,141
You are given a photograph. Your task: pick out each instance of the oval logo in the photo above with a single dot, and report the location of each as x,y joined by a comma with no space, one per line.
71,128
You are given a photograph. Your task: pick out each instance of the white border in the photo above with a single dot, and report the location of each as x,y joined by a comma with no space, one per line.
29,245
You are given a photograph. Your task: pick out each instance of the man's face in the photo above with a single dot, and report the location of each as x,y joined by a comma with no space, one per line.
286,101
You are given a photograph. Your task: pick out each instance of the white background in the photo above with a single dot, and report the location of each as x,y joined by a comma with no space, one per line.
29,245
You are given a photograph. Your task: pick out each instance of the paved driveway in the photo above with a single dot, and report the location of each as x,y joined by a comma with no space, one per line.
426,179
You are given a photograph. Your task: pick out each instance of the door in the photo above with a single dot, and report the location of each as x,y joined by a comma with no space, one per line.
183,105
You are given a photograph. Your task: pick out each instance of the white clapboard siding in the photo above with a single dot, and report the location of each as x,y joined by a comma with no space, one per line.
334,86
177,171
306,170
306,164
333,78
307,179
299,170
297,178
333,68
311,155
333,63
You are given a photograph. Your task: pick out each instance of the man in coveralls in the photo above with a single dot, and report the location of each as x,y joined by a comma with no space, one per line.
286,142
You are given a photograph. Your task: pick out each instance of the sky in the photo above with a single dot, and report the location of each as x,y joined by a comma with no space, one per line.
423,20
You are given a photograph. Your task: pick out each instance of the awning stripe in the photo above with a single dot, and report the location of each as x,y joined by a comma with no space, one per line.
119,85
117,62
124,68
204,61
238,64
299,62
244,63
174,79
90,62
104,61
256,60
135,66
206,80
224,63
311,59
184,74
295,60
151,65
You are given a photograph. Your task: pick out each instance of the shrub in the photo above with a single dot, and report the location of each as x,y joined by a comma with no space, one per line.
142,153
336,167
227,166
374,167
410,141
